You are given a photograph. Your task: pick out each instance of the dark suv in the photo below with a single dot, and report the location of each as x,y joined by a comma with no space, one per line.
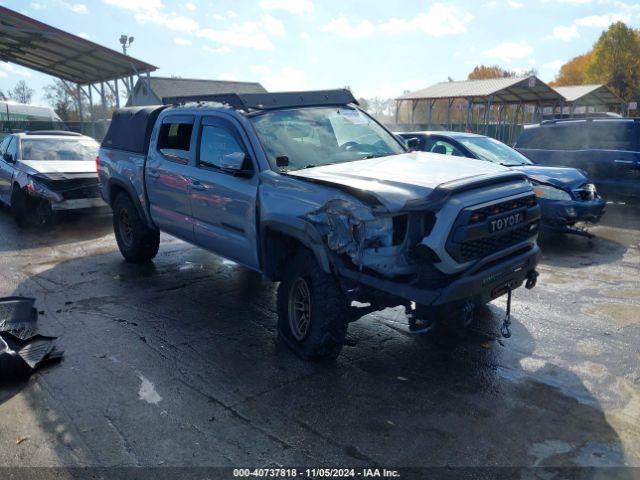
608,149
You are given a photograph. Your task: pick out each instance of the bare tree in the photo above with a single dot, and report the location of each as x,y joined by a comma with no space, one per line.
58,96
22,93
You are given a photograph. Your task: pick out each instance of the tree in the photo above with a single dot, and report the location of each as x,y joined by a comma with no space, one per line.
364,103
2,95
616,61
22,93
574,71
483,72
58,96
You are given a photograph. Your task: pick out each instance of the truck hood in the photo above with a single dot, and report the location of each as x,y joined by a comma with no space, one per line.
398,179
563,178
33,167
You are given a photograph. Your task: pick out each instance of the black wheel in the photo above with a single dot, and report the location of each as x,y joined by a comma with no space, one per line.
312,310
24,209
137,242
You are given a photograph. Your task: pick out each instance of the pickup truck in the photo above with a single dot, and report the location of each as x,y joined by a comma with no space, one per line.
310,191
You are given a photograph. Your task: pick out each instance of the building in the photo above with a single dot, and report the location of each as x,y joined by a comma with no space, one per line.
151,90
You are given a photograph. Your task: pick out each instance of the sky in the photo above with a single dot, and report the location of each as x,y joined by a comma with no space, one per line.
377,48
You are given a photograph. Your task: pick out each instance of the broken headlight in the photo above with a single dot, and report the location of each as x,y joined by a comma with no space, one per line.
36,189
550,193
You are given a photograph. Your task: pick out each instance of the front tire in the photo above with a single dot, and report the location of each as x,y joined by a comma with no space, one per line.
23,210
312,310
136,241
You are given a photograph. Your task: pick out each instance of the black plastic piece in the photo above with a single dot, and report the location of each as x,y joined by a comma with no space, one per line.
131,127
271,101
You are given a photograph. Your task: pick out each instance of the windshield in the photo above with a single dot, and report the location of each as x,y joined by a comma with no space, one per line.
59,149
310,137
486,148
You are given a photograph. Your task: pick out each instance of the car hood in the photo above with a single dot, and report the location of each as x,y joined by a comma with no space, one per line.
33,167
564,178
398,179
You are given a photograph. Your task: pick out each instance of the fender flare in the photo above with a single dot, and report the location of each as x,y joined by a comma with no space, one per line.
301,231
134,198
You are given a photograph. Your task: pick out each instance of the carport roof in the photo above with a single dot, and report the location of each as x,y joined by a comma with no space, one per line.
504,90
589,95
44,48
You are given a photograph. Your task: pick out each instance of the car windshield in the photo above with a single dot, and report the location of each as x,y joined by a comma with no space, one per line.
311,137
486,148
59,149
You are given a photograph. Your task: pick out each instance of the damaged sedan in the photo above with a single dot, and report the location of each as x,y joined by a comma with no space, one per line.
566,195
45,172
312,192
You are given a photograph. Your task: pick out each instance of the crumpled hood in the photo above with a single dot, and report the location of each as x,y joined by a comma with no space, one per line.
33,167
398,179
564,178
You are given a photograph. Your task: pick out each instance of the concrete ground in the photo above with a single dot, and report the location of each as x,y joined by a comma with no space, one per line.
176,363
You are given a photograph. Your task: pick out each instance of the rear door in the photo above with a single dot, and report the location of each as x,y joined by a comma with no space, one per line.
167,176
224,203
613,146
8,145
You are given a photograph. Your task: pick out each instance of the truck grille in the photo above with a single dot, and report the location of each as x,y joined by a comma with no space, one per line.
486,246
471,239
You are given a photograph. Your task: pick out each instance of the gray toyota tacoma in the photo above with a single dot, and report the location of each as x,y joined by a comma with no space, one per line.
310,191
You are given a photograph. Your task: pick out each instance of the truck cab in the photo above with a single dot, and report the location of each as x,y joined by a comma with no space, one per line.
310,191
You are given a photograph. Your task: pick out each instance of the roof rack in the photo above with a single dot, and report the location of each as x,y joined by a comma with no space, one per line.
64,133
587,119
270,101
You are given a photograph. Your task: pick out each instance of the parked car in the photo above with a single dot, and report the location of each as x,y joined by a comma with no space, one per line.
608,149
566,195
45,172
310,191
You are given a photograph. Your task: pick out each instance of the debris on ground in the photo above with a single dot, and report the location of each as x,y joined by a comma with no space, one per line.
22,348
19,440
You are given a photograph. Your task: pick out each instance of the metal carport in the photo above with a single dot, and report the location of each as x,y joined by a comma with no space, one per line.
595,96
479,104
84,66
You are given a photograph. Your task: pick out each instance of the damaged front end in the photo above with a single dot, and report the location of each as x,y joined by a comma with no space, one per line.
383,243
55,192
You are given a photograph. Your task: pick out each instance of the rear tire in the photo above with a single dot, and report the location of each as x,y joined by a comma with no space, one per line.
136,241
312,310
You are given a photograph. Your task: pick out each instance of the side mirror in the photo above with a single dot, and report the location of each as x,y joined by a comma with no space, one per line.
7,157
412,143
235,163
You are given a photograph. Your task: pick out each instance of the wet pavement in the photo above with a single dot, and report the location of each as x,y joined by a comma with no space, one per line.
177,363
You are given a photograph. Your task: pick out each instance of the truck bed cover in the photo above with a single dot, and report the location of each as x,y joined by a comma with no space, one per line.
131,128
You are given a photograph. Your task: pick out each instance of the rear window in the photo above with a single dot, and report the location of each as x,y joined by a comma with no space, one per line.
174,138
55,149
560,136
606,135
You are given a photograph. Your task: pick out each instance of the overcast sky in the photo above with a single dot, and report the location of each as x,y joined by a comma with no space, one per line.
378,48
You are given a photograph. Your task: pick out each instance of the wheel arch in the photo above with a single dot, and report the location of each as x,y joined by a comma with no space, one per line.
279,241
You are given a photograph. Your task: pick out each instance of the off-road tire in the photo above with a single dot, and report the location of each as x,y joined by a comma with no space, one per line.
137,242
328,312
23,210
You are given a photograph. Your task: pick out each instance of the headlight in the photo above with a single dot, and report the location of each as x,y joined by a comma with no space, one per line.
550,193
591,188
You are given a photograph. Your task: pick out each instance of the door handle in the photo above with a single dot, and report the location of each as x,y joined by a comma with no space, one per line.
153,173
196,185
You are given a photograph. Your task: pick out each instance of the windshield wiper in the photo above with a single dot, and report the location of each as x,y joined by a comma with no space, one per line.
313,165
375,155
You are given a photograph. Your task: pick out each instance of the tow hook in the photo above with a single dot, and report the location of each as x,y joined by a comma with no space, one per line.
506,323
532,279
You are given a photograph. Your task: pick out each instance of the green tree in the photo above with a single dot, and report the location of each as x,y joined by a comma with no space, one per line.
616,61
22,93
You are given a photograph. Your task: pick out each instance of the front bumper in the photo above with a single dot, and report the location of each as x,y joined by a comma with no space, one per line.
481,284
79,204
558,215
